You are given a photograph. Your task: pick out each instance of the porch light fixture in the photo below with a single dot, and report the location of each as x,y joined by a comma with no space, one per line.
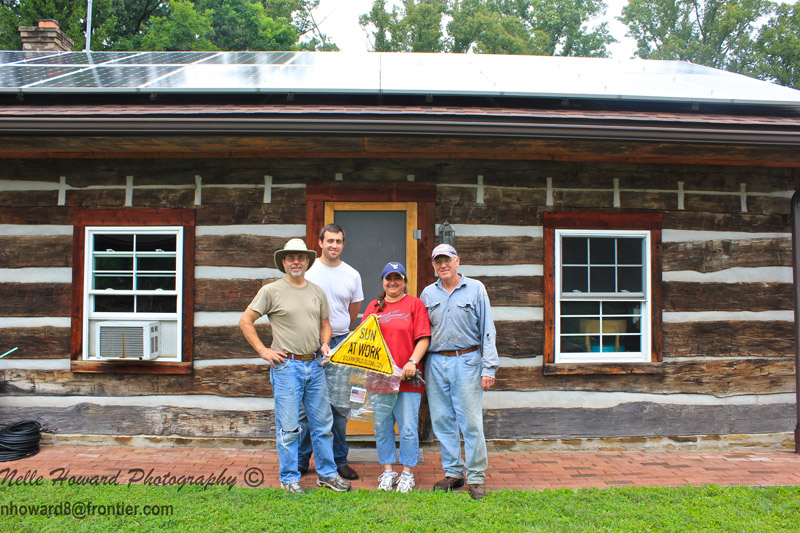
446,233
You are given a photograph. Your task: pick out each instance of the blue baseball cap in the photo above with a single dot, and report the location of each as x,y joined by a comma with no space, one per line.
396,268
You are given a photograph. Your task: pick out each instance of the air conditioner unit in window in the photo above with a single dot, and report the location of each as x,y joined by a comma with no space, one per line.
128,340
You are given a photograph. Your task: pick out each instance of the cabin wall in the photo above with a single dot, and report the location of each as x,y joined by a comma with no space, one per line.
728,337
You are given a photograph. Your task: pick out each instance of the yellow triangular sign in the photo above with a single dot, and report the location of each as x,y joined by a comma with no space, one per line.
365,348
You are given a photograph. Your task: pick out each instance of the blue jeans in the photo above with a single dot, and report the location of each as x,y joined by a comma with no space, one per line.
339,429
295,384
403,408
455,398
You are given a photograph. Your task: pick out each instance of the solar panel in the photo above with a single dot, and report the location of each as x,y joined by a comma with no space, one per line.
381,73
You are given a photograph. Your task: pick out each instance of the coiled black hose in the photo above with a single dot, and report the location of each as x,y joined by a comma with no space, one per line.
20,440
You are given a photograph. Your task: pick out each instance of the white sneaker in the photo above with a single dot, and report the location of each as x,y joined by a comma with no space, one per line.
406,482
386,480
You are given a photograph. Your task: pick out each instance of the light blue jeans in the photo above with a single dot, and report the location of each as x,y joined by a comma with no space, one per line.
295,384
339,429
455,399
403,408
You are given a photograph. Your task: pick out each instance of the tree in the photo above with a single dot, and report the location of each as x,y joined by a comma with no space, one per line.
546,27
778,47
414,27
715,33
246,25
131,18
70,14
183,29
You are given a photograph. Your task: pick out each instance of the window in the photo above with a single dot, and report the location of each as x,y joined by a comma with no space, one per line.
602,303
135,288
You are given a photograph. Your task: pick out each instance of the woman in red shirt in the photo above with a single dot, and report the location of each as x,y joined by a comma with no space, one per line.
406,329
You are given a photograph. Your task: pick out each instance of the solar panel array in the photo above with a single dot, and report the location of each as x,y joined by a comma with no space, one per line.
380,73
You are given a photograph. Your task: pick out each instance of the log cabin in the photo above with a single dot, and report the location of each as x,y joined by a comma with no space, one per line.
630,220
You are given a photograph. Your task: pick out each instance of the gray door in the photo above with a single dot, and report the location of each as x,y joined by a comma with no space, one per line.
373,238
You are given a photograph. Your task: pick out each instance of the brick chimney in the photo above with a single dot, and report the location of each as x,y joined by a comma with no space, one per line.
46,36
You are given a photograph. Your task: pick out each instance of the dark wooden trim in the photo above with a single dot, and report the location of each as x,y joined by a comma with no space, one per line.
610,220
603,220
549,369
391,147
657,331
124,367
187,341
132,217
549,310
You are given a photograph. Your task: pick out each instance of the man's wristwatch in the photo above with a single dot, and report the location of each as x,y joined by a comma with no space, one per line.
412,362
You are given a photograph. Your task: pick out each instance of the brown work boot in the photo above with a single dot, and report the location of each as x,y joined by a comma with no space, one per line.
476,490
449,483
346,472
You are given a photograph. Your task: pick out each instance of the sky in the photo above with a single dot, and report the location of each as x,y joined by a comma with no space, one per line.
339,20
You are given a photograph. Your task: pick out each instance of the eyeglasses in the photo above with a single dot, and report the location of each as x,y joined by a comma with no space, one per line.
301,258
439,261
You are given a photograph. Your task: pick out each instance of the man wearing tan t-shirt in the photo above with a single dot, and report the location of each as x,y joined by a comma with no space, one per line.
298,313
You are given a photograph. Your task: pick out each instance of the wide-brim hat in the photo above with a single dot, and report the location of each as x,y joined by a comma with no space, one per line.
294,246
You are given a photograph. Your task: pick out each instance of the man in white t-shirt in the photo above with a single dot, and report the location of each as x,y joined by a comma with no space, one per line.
342,286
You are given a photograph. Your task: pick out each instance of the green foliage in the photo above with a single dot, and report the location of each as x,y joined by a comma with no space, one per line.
715,33
678,509
132,17
415,26
778,47
172,25
245,25
544,27
184,29
70,15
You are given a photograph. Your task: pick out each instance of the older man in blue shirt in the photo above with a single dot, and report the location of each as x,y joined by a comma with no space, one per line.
461,364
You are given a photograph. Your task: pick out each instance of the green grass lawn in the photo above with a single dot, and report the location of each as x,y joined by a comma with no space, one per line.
683,509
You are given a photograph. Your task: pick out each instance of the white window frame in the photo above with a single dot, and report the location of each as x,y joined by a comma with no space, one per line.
645,353
171,351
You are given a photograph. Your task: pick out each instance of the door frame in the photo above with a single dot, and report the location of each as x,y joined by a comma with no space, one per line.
410,210
423,194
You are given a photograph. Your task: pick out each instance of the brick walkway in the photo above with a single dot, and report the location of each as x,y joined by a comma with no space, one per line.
507,469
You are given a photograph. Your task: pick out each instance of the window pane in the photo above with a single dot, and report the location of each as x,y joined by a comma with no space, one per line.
573,250
114,242
155,263
152,283
574,279
119,283
631,343
113,304
113,263
630,279
602,279
580,308
601,251
629,251
574,344
156,304
570,325
151,243
612,307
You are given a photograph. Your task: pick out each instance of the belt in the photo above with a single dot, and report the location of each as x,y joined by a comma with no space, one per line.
305,357
458,352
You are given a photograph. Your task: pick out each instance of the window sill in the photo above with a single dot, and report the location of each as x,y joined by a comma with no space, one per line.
552,369
125,367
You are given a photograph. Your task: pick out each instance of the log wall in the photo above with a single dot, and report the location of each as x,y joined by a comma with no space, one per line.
728,333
